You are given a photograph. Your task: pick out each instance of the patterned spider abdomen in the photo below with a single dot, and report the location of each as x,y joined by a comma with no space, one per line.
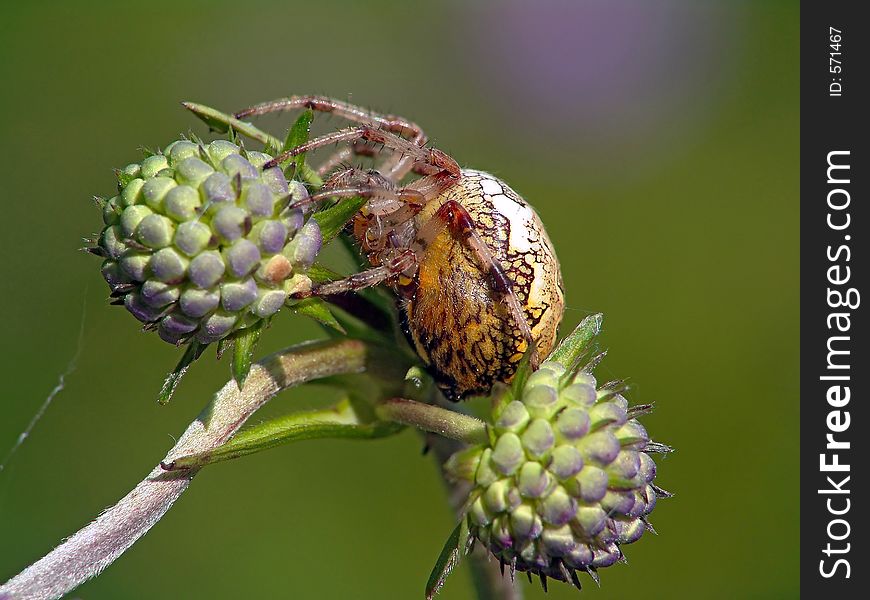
453,317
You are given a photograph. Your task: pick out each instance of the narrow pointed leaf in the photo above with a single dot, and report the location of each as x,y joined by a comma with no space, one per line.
333,219
448,559
573,346
296,136
193,351
339,422
221,122
243,351
321,274
318,310
524,369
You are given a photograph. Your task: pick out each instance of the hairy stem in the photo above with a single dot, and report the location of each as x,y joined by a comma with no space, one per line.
97,545
444,422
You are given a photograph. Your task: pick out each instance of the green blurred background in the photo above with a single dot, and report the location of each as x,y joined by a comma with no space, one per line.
659,142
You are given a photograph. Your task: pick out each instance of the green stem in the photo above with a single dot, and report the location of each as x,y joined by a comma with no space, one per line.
428,417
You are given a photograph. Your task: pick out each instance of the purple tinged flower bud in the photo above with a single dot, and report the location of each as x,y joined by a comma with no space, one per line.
230,223
268,302
242,257
619,502
573,423
540,400
564,479
566,462
592,482
558,508
259,200
270,236
305,246
113,274
507,455
217,188
158,294
276,181
293,220
216,327
629,531
198,303
206,269
606,413
632,433
236,164
141,310
538,438
237,295
205,236
601,447
579,394
168,265
514,417
533,480
174,328
606,557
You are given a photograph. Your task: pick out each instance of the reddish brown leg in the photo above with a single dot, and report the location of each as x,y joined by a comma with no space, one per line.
425,161
404,261
456,220
394,167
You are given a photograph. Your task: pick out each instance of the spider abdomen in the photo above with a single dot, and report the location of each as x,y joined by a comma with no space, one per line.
454,318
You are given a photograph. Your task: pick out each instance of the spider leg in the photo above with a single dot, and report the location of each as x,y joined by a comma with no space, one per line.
429,161
403,261
394,167
453,217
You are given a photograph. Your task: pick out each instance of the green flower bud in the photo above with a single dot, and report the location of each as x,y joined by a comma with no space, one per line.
199,241
566,480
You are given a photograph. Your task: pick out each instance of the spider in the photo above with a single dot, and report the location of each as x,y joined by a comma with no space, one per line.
473,268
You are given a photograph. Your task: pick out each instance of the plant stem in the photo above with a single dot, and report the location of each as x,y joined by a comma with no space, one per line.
98,544
489,583
444,422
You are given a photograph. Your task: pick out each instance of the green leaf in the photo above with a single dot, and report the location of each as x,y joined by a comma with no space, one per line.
317,309
296,136
333,219
194,350
524,369
221,122
448,559
321,274
243,351
573,346
338,422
